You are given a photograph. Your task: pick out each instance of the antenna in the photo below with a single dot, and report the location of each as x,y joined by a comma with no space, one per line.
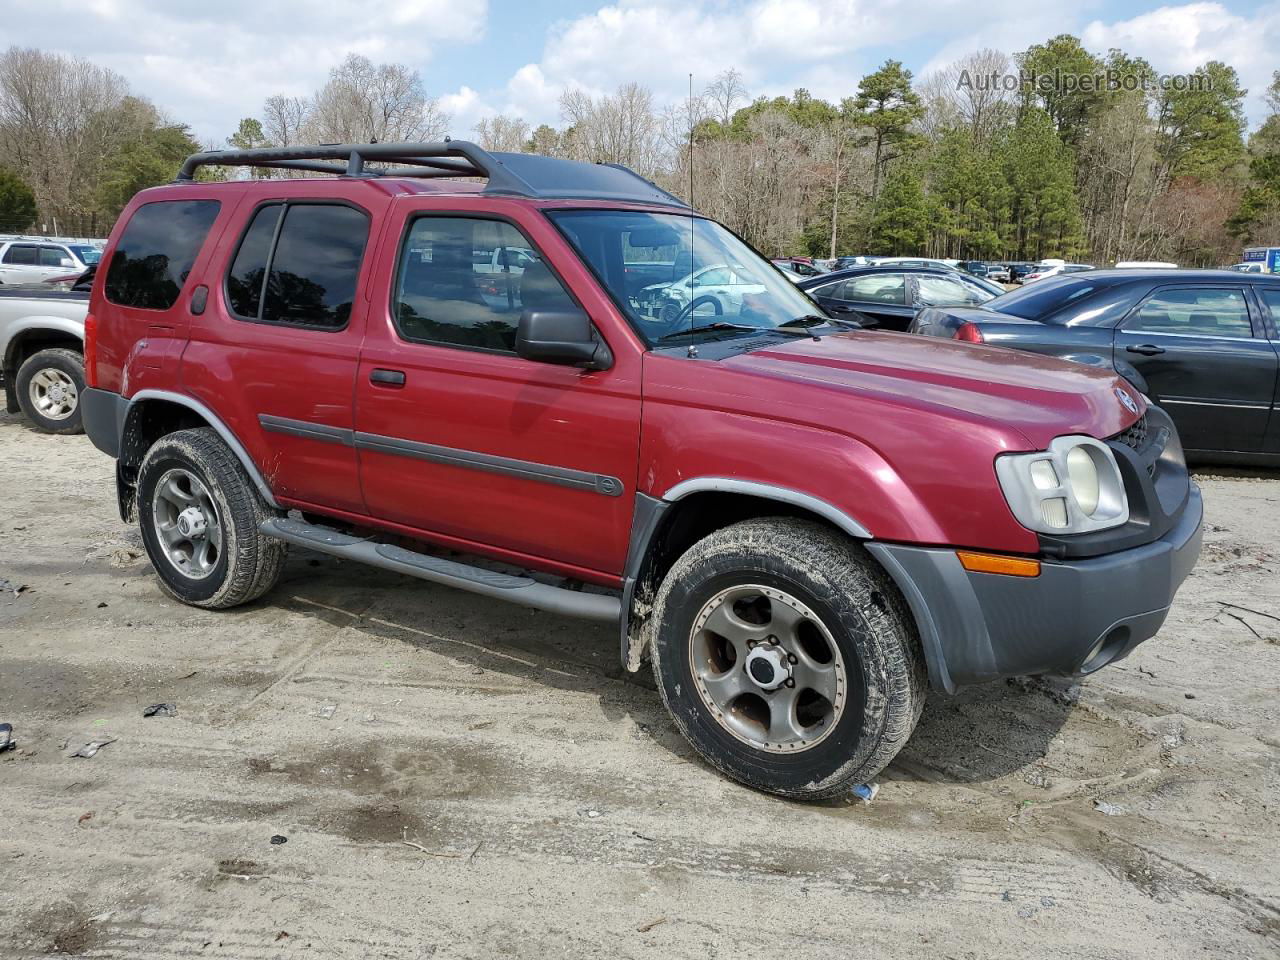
693,261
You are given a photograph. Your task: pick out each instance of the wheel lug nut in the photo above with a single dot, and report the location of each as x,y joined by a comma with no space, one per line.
790,681
793,658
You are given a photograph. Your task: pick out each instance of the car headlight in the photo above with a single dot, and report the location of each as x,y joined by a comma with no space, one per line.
1073,487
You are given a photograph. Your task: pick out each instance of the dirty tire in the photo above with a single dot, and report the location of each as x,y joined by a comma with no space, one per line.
864,614
61,362
249,563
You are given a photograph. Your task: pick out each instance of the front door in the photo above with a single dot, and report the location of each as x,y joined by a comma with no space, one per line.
468,443
1206,360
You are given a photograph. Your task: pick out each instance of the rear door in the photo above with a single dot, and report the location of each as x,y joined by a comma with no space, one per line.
469,443
1206,359
883,299
1268,299
276,351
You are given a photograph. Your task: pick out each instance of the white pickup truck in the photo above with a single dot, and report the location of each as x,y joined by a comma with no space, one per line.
42,352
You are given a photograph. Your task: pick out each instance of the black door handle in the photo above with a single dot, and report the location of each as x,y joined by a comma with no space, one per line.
1146,349
388,378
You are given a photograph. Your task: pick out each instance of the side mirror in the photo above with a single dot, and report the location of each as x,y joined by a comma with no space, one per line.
561,336
66,262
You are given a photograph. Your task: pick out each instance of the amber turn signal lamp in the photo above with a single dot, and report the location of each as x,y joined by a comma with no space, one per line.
995,563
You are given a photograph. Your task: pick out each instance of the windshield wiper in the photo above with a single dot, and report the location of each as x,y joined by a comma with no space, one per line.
718,325
814,320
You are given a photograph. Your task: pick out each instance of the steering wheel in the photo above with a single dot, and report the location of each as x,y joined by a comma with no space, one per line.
681,320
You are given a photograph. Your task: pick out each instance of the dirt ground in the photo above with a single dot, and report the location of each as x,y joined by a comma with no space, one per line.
549,807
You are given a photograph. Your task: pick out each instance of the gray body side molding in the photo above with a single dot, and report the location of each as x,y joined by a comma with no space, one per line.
223,431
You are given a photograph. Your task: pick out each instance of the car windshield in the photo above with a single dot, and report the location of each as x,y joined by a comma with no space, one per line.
89,255
671,273
1042,299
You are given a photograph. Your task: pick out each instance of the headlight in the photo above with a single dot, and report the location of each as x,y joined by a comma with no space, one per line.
1073,487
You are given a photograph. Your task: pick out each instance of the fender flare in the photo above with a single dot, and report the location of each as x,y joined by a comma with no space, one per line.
40,324
214,421
647,518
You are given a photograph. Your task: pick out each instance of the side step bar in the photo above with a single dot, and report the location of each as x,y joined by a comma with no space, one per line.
500,586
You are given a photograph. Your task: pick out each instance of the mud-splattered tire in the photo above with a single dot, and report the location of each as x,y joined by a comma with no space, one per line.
190,477
48,386
842,603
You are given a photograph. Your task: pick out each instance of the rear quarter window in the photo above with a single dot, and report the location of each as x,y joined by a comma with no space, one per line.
156,252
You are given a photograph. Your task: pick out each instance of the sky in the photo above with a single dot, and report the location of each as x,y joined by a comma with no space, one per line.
209,64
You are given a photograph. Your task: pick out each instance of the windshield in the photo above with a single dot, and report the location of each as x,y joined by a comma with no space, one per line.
88,255
1043,298
672,274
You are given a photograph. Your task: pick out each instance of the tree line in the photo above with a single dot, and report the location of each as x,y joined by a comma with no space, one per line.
994,157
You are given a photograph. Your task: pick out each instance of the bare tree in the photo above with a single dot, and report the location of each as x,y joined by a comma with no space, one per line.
622,128
364,102
502,133
283,120
724,95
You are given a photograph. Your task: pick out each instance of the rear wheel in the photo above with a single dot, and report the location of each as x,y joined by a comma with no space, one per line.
200,515
787,657
49,384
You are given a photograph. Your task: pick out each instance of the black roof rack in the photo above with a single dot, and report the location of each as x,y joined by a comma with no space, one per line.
509,174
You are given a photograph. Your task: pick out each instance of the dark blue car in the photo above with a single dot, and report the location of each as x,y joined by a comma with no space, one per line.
1203,344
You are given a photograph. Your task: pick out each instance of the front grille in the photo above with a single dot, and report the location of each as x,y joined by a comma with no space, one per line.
1136,436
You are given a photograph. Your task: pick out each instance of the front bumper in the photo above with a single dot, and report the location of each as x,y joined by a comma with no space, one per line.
1076,617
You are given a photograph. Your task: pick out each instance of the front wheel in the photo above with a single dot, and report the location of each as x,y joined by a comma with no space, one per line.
200,515
49,384
787,658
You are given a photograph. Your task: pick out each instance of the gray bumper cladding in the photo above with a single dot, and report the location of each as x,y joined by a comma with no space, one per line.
1074,618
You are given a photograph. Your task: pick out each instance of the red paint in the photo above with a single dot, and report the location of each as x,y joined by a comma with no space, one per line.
898,432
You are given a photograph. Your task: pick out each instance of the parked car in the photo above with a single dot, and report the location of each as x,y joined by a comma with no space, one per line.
887,296
713,291
999,273
976,267
994,288
31,260
1018,271
844,263
802,268
1201,344
1246,267
802,527
1044,270
41,347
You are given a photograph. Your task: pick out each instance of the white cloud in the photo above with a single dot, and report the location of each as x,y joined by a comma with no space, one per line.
212,64
1178,39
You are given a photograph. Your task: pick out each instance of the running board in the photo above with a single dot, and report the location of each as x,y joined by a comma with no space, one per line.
500,586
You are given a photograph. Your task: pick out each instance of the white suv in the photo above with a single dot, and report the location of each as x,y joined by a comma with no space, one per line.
33,260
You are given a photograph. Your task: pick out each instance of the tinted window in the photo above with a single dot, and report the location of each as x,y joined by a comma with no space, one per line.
1043,298
22,255
1203,312
877,288
315,266
90,255
249,269
449,292
53,256
156,252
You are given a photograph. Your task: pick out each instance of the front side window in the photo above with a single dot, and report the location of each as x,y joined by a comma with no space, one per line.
156,252
54,257
1201,312
943,291
22,255
681,300
299,264
88,255
1271,297
464,282
876,288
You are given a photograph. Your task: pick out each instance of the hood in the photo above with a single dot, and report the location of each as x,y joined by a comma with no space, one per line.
1038,396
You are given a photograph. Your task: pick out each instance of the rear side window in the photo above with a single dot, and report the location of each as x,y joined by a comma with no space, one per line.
460,285
156,252
1205,312
299,264
26,256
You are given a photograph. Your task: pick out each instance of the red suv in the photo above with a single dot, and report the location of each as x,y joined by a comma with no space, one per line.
800,524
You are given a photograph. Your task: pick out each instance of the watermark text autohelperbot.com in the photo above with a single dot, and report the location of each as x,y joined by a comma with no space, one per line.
1104,81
